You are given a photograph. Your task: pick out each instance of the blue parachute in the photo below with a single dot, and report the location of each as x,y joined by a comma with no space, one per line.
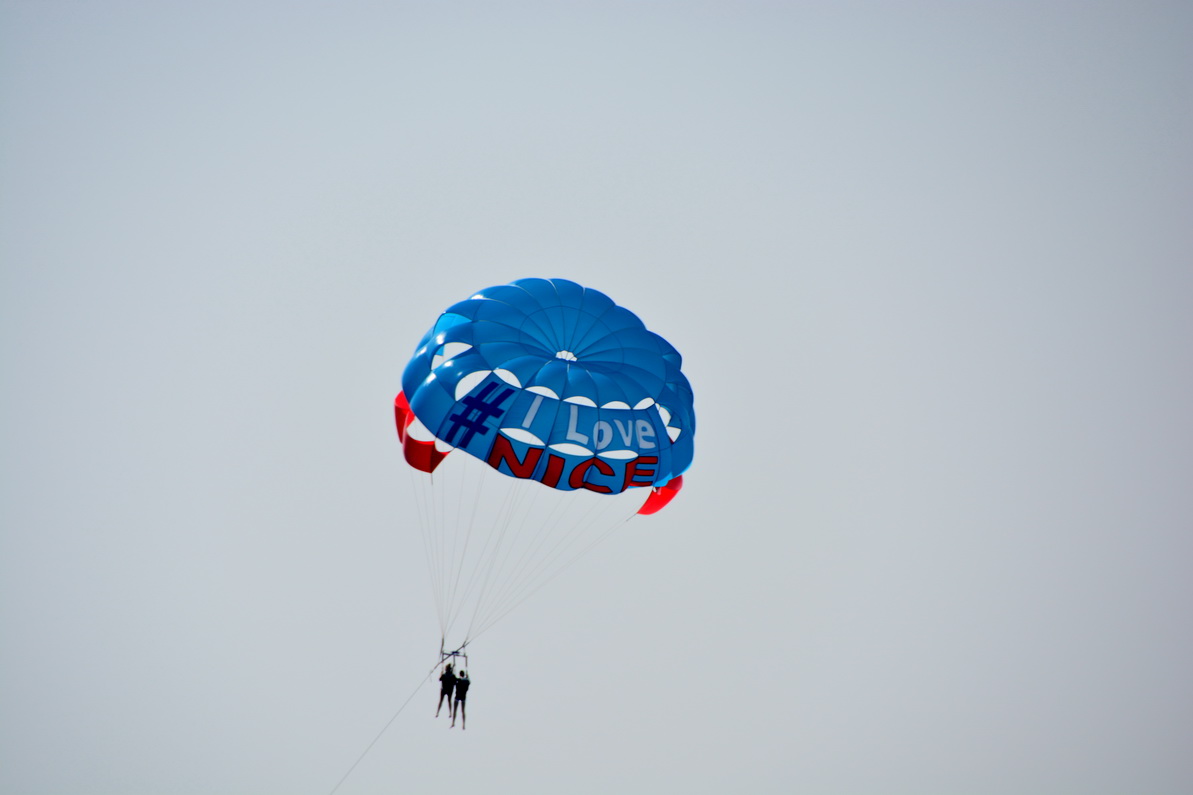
546,380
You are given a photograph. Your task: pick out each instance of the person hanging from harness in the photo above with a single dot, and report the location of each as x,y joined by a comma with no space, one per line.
462,683
447,684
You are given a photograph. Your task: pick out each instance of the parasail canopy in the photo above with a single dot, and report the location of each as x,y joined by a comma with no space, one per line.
547,383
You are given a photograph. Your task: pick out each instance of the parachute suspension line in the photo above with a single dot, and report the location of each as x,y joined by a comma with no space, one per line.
525,583
424,502
435,498
508,518
384,728
500,529
440,523
450,533
534,537
432,488
445,529
527,531
575,526
475,491
498,526
525,536
532,591
492,542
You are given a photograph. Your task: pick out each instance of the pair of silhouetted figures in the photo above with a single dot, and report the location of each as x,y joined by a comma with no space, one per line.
451,683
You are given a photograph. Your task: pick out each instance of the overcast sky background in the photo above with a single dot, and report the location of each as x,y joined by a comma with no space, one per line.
930,266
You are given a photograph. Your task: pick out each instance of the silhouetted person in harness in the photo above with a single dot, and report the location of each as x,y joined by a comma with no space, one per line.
447,684
462,684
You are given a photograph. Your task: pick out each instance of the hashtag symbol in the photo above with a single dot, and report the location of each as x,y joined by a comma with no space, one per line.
472,417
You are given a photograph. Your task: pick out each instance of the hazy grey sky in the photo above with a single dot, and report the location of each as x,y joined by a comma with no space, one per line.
931,269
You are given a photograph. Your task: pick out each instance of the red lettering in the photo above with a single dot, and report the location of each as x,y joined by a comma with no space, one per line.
632,471
504,451
576,479
554,470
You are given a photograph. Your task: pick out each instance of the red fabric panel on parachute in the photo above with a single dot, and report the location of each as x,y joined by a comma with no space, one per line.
661,495
421,455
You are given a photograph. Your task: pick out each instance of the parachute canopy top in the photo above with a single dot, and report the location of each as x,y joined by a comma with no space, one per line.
546,380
